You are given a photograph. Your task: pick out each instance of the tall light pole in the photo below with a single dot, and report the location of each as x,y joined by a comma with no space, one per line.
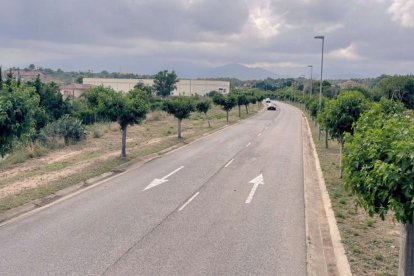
311,86
320,84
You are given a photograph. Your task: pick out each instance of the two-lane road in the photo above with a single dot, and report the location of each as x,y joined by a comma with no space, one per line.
229,204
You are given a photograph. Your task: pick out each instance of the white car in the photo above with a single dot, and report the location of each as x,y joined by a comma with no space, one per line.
267,100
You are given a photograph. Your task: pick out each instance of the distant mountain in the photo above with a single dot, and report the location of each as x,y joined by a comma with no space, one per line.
238,71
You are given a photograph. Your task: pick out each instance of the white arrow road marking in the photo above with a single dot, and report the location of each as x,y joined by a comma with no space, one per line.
158,181
258,180
188,201
228,164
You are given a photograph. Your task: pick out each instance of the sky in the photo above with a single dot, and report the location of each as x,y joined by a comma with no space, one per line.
363,38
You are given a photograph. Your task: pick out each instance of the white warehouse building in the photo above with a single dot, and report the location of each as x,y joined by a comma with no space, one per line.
183,87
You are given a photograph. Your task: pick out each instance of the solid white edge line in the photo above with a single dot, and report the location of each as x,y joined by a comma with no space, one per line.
248,144
188,201
228,164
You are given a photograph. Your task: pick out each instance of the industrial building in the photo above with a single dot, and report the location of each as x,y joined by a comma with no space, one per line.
183,87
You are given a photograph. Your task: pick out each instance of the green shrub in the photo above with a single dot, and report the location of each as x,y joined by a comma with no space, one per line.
68,128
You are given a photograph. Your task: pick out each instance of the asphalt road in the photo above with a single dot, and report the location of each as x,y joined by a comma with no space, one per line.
232,204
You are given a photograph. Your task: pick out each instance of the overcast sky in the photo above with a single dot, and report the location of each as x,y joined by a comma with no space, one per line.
362,37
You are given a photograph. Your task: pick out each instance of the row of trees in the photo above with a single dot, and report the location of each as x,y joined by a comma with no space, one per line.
35,112
377,138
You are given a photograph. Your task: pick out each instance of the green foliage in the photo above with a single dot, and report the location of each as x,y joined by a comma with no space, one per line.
148,89
242,99
312,105
17,110
399,88
164,83
109,105
180,107
227,102
68,128
339,115
203,106
378,161
51,101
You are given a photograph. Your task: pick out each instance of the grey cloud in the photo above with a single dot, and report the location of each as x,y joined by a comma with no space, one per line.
143,34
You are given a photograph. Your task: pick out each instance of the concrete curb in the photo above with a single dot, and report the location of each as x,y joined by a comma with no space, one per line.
340,256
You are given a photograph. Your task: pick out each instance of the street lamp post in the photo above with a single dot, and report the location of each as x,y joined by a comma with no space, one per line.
320,85
311,86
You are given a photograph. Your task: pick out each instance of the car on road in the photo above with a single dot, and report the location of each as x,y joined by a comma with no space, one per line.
267,100
271,106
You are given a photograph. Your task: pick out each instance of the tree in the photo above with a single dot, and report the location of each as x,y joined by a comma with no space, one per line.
241,100
180,107
126,110
51,100
226,102
164,83
253,100
378,169
143,87
17,109
399,88
203,106
79,79
339,116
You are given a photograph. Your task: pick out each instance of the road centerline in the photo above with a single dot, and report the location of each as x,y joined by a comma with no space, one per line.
188,201
228,164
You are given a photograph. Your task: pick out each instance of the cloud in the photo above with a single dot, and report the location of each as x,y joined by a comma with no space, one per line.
348,53
143,35
402,11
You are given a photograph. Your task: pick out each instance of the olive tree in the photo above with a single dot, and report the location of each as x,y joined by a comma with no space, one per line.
180,108
339,116
378,169
203,106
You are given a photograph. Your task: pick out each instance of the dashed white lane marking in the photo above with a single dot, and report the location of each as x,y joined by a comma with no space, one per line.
228,164
188,201
260,134
248,145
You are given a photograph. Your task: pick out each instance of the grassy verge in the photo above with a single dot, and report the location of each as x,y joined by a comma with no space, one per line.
372,245
56,169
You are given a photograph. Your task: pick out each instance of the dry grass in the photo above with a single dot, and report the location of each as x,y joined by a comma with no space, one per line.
372,245
28,178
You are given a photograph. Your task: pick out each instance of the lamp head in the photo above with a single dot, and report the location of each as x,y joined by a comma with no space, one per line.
319,37
310,66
